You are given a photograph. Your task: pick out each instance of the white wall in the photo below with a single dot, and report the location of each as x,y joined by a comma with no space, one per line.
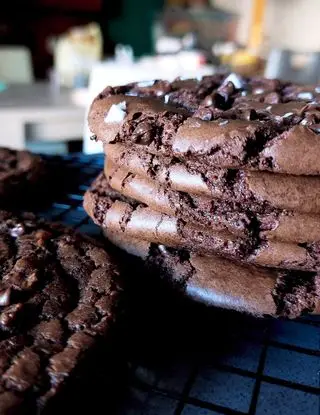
292,24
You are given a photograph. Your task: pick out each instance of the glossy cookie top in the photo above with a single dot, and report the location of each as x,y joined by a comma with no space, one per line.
218,121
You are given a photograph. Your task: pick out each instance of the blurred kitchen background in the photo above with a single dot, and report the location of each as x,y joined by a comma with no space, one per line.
56,55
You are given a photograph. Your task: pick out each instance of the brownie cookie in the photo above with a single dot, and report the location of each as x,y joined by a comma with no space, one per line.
265,223
259,191
223,283
20,173
110,209
215,126
120,214
59,296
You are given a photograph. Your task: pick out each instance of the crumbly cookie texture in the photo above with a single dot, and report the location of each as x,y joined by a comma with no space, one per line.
219,282
112,210
59,292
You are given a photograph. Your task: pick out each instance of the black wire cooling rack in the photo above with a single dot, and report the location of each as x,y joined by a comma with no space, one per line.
188,359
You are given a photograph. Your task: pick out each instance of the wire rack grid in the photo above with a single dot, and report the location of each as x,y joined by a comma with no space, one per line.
205,361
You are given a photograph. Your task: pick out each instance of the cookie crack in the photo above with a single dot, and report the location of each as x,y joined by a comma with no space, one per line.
296,293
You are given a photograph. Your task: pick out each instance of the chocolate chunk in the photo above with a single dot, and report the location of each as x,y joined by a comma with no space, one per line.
9,315
17,231
142,134
315,128
5,297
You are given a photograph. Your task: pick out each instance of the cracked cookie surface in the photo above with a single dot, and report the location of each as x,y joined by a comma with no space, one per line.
219,282
116,212
59,292
218,121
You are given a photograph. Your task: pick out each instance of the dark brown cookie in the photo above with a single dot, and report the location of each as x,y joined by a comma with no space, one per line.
59,294
259,191
256,221
216,122
112,210
20,174
223,283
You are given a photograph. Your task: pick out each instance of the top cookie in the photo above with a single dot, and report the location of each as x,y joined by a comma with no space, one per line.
58,296
218,121
20,172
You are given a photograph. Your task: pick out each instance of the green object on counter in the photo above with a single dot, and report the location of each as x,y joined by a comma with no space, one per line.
134,26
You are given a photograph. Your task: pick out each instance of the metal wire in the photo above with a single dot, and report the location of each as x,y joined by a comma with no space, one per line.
224,363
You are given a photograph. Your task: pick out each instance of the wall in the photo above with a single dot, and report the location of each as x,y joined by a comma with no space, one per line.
291,24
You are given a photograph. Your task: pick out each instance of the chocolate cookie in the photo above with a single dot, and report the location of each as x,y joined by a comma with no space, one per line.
110,209
20,174
58,299
120,214
259,191
214,124
223,283
257,221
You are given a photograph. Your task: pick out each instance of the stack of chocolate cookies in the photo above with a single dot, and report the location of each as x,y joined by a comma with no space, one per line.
216,184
